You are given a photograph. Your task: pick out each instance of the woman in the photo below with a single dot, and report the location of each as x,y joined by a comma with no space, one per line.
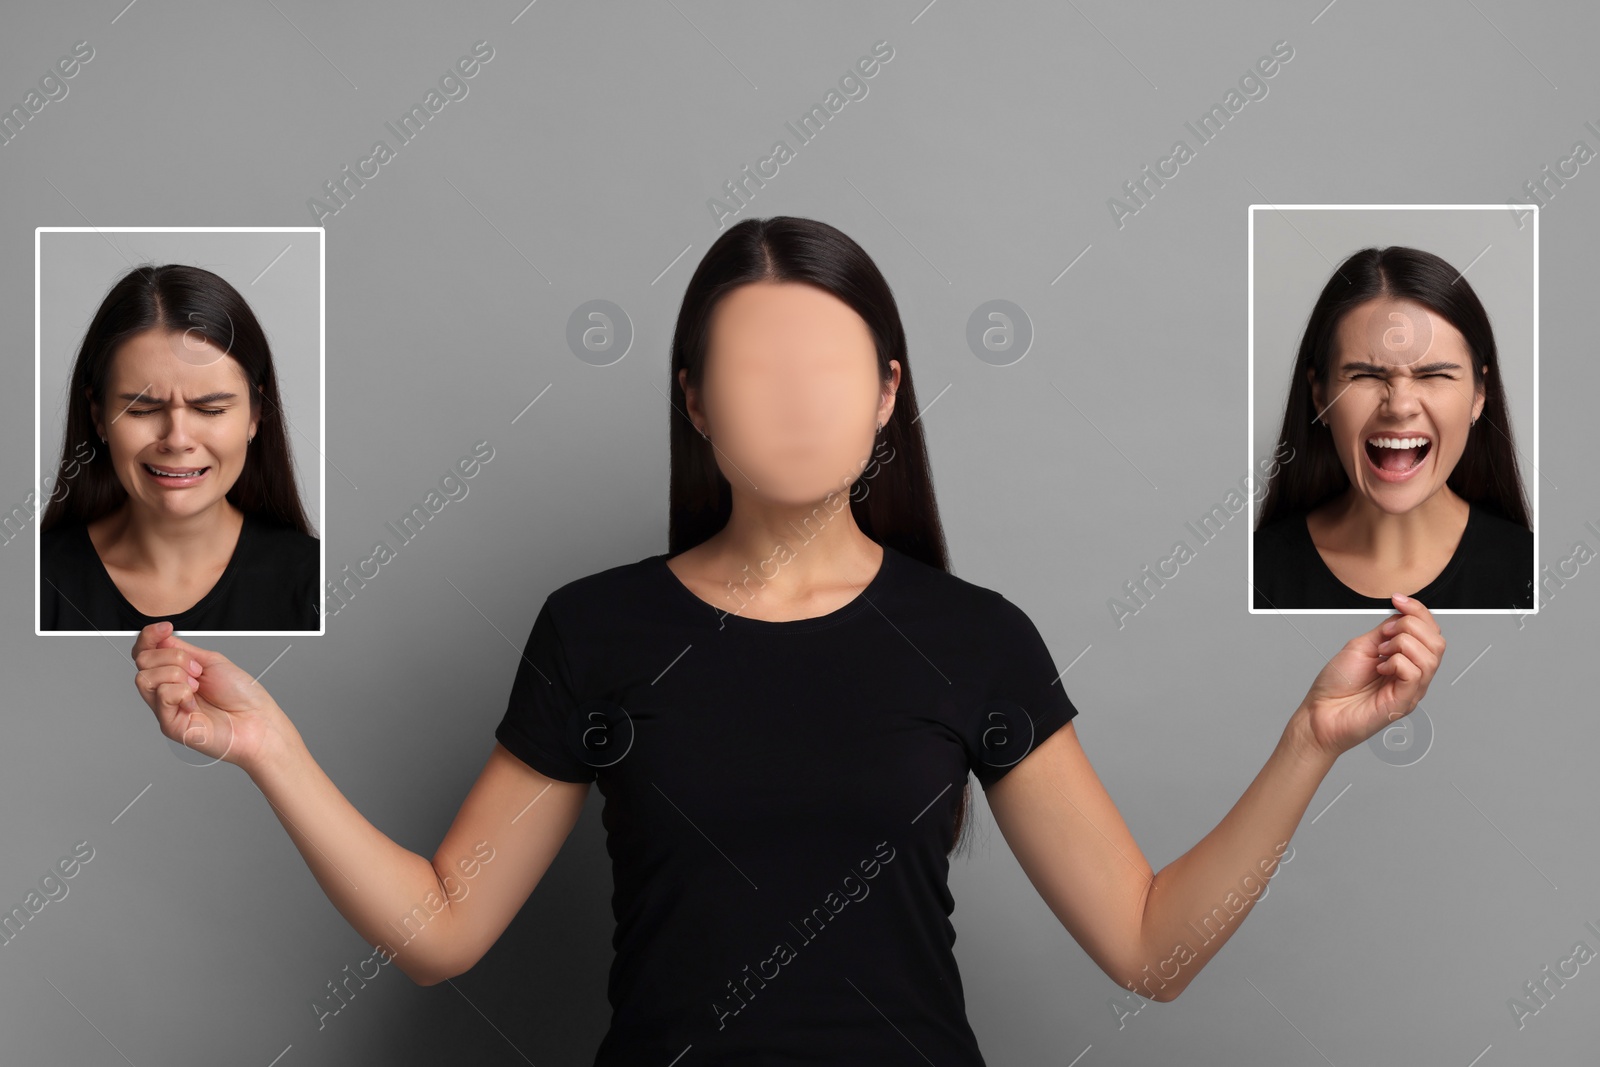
1405,471
782,713
186,509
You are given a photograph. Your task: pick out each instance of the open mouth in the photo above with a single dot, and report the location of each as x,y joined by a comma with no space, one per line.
1397,455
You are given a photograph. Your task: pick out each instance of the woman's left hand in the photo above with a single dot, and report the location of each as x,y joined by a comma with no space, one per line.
1377,678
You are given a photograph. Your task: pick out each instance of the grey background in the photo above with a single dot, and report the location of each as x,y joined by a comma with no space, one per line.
1296,252
978,167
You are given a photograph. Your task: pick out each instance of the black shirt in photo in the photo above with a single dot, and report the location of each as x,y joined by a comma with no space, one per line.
1492,567
272,582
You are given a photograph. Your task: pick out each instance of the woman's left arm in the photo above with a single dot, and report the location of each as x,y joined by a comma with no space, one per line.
1152,932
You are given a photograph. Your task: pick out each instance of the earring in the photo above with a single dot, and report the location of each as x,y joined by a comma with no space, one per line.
879,429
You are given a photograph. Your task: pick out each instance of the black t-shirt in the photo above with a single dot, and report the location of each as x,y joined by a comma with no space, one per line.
779,803
1492,567
272,582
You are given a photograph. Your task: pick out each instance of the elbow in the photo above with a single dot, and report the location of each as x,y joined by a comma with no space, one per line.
1171,988
1148,987
426,970
1168,993
432,972
426,976
1161,982
434,953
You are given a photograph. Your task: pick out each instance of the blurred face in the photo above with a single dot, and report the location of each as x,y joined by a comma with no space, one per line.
1400,401
175,403
790,396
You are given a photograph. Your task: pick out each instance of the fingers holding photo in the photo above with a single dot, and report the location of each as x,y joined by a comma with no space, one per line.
1409,653
1417,623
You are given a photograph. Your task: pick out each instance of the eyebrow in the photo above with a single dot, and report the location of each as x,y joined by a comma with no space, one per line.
1421,368
209,398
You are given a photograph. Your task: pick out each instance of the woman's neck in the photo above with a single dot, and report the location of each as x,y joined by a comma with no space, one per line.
794,551
1352,524
167,544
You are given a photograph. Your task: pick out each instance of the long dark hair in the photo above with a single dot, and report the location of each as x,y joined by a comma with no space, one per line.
899,510
180,299
1485,475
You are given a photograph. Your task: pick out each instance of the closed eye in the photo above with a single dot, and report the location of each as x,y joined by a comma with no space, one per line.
152,411
1433,374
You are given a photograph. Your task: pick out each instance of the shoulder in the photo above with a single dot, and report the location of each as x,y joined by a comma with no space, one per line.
595,598
925,578
1279,539
1497,534
926,592
619,578
1282,538
62,542
282,546
1283,556
1284,530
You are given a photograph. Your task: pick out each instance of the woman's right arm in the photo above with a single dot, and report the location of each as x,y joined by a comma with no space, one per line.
437,916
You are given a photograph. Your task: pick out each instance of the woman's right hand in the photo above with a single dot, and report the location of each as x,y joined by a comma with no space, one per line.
204,701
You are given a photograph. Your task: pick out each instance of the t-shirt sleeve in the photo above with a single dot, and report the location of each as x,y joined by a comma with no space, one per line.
1025,701
544,707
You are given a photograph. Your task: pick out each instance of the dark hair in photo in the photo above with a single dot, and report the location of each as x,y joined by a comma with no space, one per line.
1485,475
899,509
176,298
